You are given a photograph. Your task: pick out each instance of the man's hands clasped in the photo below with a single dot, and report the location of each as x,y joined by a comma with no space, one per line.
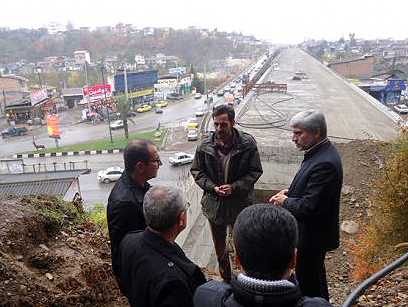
279,198
223,190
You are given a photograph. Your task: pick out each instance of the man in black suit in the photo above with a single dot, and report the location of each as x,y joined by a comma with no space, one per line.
313,198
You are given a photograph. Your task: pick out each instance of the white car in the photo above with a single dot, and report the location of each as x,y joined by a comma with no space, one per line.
192,135
401,108
110,174
199,112
117,124
197,96
181,158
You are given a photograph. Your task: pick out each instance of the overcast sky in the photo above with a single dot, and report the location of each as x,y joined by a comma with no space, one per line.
281,21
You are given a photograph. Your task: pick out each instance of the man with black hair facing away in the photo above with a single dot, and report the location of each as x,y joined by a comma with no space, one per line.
265,239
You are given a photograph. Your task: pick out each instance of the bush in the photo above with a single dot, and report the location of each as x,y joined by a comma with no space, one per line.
98,217
388,227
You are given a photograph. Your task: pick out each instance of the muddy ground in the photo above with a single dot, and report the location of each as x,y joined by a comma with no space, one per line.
49,258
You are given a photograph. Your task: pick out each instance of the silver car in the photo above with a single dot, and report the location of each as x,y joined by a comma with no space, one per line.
110,174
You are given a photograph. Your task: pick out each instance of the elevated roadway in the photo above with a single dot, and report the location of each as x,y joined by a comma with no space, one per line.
350,113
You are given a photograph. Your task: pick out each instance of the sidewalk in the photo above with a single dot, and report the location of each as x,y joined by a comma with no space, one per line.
65,118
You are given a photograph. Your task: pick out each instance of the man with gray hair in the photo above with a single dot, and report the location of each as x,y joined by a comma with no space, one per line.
313,198
154,269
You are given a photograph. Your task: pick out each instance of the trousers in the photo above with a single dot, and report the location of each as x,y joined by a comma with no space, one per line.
311,273
219,236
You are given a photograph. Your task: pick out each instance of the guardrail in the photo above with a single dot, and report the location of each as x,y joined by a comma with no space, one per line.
350,300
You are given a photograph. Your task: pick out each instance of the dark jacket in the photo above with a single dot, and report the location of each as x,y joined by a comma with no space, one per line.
156,273
314,198
253,294
124,214
244,170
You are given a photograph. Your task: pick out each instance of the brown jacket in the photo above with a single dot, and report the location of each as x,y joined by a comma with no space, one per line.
244,170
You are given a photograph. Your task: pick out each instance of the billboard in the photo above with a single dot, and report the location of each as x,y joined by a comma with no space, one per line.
13,166
97,91
38,96
177,71
141,93
52,126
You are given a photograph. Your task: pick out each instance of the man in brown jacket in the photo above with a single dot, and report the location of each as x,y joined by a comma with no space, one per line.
226,166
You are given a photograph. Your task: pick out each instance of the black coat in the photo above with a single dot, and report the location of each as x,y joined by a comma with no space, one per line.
239,294
314,198
156,273
244,170
124,214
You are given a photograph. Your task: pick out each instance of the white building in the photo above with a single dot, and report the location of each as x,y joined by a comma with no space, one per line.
139,59
55,27
82,56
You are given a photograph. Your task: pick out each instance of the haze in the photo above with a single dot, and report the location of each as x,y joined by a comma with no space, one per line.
275,21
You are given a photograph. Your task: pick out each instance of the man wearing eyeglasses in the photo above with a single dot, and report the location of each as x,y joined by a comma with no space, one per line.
125,203
226,166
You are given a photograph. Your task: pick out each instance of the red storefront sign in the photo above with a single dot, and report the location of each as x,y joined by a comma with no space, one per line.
97,91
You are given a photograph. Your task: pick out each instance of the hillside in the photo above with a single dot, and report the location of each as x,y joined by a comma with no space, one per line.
189,45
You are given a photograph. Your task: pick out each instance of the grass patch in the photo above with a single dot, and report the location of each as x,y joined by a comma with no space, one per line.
118,143
98,217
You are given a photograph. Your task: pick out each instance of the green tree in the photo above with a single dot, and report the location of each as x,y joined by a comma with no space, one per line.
197,82
123,106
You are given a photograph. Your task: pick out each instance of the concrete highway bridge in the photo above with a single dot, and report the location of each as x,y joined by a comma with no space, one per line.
351,114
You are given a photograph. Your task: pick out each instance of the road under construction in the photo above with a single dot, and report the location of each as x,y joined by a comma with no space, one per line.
290,81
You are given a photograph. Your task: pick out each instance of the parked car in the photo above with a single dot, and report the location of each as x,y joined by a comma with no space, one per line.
401,108
220,93
199,112
110,174
131,113
14,131
158,110
181,158
162,103
117,124
192,135
173,96
197,96
144,108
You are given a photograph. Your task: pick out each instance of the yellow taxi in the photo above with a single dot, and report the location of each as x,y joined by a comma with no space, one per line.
144,108
162,104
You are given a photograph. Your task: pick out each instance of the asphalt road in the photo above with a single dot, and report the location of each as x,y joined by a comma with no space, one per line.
93,192
174,114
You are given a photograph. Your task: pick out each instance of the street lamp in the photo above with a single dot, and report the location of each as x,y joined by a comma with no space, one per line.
106,105
38,70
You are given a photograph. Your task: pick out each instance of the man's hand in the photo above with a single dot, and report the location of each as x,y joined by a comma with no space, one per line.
279,198
223,190
227,188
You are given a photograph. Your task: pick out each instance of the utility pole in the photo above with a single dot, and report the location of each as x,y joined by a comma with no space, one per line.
106,105
3,109
87,83
205,82
39,80
126,85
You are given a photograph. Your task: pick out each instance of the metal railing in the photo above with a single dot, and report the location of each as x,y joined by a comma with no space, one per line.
350,300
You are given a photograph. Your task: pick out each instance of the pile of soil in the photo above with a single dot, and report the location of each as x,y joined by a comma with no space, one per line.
49,258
